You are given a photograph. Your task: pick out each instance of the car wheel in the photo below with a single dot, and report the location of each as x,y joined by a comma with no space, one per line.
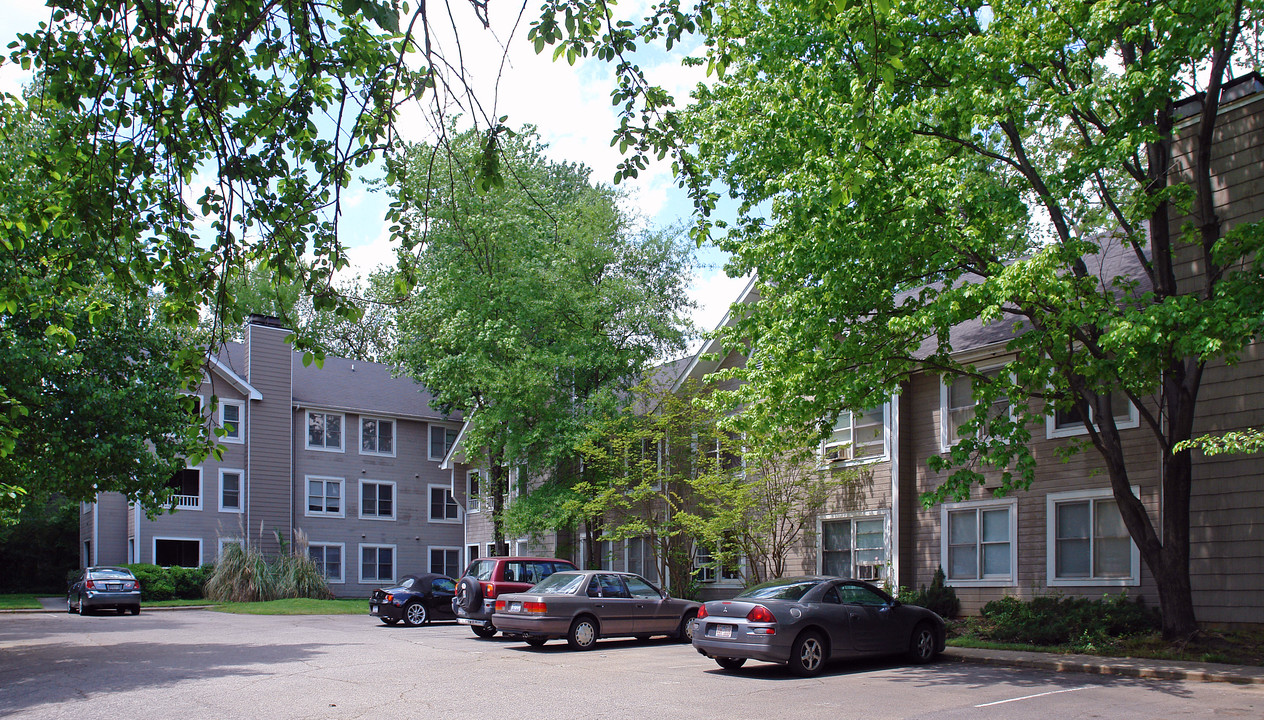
583,634
136,609
388,621
922,645
730,663
685,632
807,655
415,615
484,631
70,607
469,594
536,642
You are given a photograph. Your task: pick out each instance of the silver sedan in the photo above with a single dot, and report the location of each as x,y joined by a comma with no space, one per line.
804,622
585,605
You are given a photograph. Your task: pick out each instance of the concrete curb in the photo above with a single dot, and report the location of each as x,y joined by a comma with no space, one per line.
1123,667
51,611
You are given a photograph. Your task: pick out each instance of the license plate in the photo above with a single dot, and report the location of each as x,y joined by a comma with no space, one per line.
515,607
724,631
114,586
373,609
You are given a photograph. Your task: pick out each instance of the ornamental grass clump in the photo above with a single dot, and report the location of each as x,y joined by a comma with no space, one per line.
247,575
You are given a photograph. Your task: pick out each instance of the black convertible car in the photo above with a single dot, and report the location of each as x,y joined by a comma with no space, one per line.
416,600
806,621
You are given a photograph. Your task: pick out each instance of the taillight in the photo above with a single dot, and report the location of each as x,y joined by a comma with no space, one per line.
534,607
760,614
702,612
136,585
500,606
489,590
90,585
389,597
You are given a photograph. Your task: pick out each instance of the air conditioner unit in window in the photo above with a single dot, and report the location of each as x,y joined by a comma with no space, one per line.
866,572
836,453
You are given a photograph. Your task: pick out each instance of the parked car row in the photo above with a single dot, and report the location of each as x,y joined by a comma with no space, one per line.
801,622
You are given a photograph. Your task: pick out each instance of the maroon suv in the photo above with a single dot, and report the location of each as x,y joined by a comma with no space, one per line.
486,578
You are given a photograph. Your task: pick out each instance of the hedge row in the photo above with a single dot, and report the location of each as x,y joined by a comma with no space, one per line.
170,583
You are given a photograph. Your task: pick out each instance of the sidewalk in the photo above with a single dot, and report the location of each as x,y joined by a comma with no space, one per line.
1096,665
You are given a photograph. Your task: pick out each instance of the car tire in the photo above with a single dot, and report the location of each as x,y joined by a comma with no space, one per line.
807,654
415,614
484,631
469,594
70,608
583,633
685,632
730,664
536,642
923,645
136,609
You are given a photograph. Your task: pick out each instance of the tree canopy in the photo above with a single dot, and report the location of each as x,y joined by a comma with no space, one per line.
537,300
906,167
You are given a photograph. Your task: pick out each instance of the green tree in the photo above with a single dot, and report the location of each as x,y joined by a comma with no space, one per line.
904,167
536,300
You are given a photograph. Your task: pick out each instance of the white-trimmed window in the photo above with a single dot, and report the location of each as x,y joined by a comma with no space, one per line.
329,559
855,546
859,437
445,561
979,543
324,497
324,431
377,500
377,436
639,558
225,542
957,405
231,489
177,551
1087,541
441,441
1069,422
707,569
473,491
377,563
443,507
232,416
186,485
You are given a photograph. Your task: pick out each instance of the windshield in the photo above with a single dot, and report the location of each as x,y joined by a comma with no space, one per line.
563,583
780,590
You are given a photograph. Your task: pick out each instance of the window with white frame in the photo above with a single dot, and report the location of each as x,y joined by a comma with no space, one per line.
377,500
377,436
857,436
443,507
225,542
473,491
377,563
328,559
1088,543
324,497
979,543
445,561
231,418
441,441
177,552
639,558
230,490
957,405
1064,423
855,546
324,431
708,569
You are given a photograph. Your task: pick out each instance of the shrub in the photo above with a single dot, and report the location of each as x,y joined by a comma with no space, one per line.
170,583
1071,621
247,575
939,597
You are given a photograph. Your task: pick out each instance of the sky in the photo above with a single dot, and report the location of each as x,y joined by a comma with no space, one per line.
569,104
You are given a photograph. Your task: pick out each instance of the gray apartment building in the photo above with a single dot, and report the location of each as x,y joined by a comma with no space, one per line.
345,453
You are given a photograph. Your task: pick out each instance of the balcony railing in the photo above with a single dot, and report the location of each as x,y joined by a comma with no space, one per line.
186,502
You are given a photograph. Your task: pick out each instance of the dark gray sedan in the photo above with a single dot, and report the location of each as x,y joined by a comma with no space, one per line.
99,588
585,605
806,621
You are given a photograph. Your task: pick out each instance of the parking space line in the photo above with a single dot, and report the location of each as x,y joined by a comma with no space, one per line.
1029,697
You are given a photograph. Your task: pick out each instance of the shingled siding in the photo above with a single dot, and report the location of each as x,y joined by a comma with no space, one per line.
268,485
1227,537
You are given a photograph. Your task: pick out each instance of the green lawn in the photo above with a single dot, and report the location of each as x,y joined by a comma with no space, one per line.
298,606
19,601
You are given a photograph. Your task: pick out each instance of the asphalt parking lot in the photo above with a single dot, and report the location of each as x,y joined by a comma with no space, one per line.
202,664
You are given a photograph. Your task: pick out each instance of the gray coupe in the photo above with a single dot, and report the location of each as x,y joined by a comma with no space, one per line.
585,605
804,622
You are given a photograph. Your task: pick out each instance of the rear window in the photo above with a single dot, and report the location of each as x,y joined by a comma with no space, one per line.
561,583
780,590
481,569
111,575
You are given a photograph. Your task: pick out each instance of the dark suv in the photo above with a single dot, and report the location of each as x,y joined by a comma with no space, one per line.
486,578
